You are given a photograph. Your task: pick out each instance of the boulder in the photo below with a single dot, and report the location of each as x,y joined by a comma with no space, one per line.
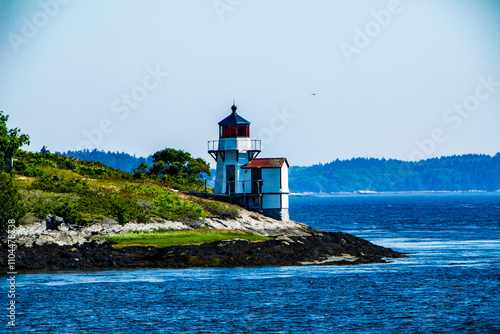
53,222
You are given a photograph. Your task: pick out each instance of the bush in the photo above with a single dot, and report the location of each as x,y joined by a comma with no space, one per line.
173,207
39,203
68,211
218,209
145,189
41,207
125,209
11,206
43,203
122,208
56,184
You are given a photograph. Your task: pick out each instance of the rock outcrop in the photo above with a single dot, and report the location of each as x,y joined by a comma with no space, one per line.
55,231
67,247
260,224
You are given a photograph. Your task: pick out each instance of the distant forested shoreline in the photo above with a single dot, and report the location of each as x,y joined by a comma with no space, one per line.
453,173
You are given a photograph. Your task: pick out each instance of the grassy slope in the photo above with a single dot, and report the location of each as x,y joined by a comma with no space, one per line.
83,192
165,238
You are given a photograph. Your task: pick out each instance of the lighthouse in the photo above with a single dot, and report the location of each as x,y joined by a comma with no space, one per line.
255,183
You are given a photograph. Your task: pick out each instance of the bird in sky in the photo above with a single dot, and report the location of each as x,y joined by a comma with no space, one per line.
314,93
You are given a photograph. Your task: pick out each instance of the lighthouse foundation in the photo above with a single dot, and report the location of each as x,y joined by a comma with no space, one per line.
279,214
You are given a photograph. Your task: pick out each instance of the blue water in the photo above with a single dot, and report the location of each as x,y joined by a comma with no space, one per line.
450,283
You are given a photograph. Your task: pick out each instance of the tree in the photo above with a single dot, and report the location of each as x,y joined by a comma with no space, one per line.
141,170
10,141
179,165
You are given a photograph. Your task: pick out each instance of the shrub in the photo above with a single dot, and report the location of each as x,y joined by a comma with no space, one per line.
39,205
122,208
56,184
145,189
69,212
173,207
41,208
43,203
125,209
218,209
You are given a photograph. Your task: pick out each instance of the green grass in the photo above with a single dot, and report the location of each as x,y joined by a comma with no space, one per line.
166,238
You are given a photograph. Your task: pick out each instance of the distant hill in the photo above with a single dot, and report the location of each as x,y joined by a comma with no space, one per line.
466,172
119,160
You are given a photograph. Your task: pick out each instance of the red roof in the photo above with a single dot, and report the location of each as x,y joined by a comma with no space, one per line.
266,163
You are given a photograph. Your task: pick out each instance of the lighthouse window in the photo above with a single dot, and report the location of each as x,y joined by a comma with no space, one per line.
243,131
235,131
228,131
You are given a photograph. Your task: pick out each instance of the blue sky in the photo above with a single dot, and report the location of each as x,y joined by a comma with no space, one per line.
396,79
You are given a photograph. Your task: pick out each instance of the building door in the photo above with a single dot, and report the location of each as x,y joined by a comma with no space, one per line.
230,179
256,177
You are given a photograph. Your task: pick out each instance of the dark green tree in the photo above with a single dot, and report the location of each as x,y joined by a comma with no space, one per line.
10,141
178,165
141,171
11,206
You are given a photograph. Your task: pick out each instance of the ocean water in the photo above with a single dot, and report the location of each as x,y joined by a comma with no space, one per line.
450,283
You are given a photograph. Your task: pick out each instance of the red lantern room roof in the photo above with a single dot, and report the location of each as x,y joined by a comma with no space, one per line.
234,119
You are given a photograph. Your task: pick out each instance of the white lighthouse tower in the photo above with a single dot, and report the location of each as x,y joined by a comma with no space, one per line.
258,184
233,150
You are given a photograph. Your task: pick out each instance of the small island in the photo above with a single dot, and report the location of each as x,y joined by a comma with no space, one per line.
81,215
271,243
63,213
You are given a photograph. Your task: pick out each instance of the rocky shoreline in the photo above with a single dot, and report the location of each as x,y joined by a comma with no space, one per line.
55,246
325,248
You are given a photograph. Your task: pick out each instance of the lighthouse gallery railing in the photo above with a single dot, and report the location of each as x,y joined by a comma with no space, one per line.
255,145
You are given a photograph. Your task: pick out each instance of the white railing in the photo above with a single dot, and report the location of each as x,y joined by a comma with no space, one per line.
234,188
214,145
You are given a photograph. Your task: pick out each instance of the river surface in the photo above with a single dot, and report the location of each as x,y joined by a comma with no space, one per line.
450,283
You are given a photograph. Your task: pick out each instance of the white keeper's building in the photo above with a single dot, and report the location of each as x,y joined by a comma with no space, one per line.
256,183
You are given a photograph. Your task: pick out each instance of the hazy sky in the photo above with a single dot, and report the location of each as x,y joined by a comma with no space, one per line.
394,79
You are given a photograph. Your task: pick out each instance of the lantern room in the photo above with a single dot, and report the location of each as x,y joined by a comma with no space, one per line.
234,126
